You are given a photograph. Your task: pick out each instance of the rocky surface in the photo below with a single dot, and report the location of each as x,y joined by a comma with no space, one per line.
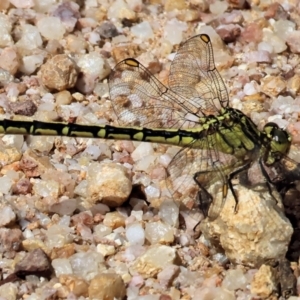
93,219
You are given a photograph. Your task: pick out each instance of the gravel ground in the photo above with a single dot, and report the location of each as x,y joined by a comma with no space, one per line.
75,214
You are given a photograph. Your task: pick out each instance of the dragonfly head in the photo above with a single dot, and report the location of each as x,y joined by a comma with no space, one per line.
277,141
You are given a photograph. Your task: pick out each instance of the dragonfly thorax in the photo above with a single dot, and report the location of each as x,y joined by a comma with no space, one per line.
277,142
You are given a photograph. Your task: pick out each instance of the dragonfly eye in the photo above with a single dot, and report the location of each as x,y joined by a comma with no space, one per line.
278,142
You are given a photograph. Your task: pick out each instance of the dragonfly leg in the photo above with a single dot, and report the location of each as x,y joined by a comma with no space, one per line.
231,176
204,197
269,181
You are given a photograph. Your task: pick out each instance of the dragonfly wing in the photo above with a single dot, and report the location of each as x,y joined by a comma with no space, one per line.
140,99
193,74
196,89
192,168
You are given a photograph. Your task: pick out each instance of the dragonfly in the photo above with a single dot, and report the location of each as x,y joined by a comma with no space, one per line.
217,142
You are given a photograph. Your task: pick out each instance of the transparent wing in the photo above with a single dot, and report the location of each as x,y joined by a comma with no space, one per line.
207,167
139,99
196,89
193,74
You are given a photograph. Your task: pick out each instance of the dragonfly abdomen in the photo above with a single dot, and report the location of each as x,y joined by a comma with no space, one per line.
165,136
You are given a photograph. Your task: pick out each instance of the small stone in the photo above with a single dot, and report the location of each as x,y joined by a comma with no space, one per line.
5,31
120,9
78,97
68,14
76,44
109,183
61,266
16,141
107,286
85,84
251,33
168,274
64,207
233,17
47,188
234,280
261,56
53,47
229,33
284,28
7,216
100,231
142,30
6,185
22,3
10,241
9,291
135,234
87,264
9,155
169,213
5,78
9,60
251,88
15,167
62,252
276,11
94,65
188,15
277,43
177,4
293,85
173,31
59,73
218,7
114,220
101,89
107,30
293,41
63,98
75,284
154,260
44,6
93,38
87,23
51,28
42,144
36,263
264,284
30,63
106,250
33,165
33,244
121,52
22,187
158,232
24,108
141,151
30,38
272,85
84,217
